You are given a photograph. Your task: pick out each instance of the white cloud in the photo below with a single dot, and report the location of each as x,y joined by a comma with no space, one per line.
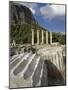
31,6
51,11
32,10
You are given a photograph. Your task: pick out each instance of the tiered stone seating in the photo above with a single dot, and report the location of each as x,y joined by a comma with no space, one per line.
26,70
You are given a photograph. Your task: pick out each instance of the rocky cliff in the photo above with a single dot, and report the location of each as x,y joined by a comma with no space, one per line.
20,14
21,21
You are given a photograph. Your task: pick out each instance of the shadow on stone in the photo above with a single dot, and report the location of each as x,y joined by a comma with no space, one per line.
54,76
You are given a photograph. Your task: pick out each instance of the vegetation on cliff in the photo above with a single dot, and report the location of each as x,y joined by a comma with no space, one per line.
21,23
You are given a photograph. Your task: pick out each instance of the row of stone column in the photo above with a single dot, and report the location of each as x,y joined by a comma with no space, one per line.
42,37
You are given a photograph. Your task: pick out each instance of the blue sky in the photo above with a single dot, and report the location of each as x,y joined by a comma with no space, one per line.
49,16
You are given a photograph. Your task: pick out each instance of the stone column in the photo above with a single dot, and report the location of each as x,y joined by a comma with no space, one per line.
50,37
42,37
32,36
46,37
38,37
14,44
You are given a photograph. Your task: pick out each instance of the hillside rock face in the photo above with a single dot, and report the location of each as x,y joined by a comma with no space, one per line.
21,21
20,14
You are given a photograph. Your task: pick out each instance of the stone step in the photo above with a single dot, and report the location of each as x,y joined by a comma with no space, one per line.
29,59
13,57
38,74
22,65
17,60
27,71
18,56
31,68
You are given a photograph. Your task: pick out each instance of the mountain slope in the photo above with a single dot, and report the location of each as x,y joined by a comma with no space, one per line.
21,22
